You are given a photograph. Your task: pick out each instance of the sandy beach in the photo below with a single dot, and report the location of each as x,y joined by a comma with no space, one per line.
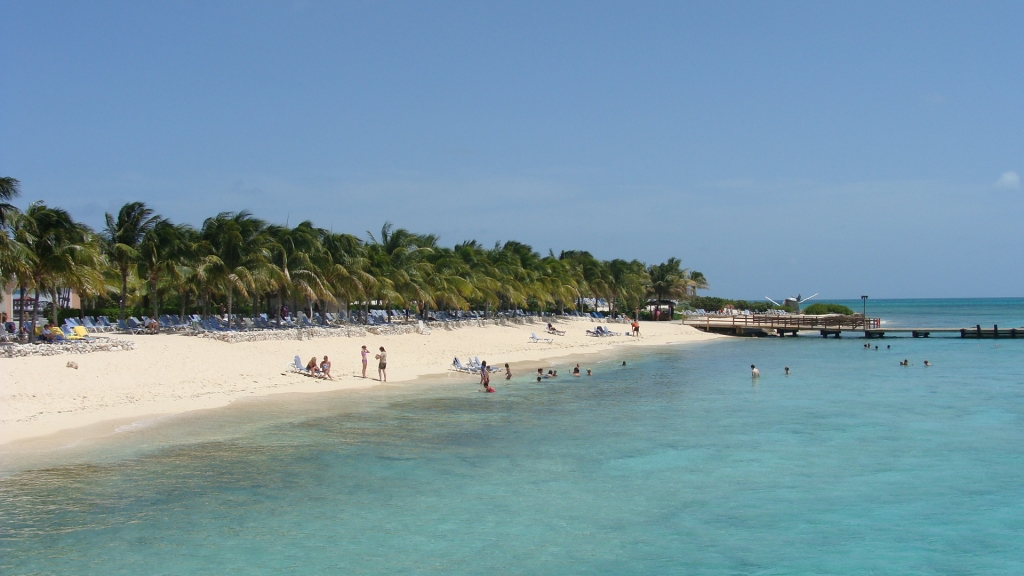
170,374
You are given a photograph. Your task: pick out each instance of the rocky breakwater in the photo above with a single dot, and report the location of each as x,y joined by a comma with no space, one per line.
11,350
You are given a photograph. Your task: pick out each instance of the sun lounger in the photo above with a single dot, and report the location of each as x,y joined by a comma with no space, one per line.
297,366
125,327
458,367
83,334
534,338
422,328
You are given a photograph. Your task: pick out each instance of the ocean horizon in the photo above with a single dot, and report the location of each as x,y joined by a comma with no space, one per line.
677,462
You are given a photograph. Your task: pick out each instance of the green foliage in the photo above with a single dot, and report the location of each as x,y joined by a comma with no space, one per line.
142,263
713,304
827,308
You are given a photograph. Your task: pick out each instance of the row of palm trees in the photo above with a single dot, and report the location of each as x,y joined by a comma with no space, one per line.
141,258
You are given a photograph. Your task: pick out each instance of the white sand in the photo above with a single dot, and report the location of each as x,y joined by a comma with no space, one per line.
169,374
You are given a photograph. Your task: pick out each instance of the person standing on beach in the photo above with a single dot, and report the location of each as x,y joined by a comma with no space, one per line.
363,353
382,365
485,376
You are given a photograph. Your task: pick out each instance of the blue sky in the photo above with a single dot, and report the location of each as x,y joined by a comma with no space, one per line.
841,148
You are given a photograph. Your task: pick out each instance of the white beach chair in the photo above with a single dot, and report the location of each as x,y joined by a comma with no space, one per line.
534,338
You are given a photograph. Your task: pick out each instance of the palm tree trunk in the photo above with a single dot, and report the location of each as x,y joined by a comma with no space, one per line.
124,294
152,296
55,295
230,292
35,316
21,311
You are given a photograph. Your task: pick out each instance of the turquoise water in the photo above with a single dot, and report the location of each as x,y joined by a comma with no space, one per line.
676,464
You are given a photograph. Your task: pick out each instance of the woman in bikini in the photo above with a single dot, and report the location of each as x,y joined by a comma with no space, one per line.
325,369
364,352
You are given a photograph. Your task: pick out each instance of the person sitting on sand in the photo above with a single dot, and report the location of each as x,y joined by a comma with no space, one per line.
508,372
576,370
312,366
325,369
754,372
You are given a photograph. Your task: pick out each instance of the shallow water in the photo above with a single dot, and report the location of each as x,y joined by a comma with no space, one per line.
678,463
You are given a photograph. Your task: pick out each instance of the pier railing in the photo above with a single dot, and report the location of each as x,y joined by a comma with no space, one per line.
792,321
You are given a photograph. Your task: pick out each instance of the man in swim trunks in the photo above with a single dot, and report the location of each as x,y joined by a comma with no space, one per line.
382,365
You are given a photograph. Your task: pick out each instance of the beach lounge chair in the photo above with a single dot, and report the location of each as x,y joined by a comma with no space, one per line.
534,338
125,327
82,334
422,328
475,362
297,366
458,367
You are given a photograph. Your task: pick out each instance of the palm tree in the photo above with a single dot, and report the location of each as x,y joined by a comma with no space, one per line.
161,253
397,262
123,236
61,252
346,274
239,255
696,281
628,284
668,280
9,190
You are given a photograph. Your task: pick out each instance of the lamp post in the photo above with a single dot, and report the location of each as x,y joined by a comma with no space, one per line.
864,299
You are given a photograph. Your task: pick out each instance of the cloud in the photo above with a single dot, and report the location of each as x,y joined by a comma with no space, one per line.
1008,181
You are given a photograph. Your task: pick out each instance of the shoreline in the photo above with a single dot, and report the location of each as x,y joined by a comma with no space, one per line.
170,374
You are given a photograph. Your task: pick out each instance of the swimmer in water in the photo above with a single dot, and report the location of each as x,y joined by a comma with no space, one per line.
787,370
623,362
754,372
576,370
926,363
589,373
508,372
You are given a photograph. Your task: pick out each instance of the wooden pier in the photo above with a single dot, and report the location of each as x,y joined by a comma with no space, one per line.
831,325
